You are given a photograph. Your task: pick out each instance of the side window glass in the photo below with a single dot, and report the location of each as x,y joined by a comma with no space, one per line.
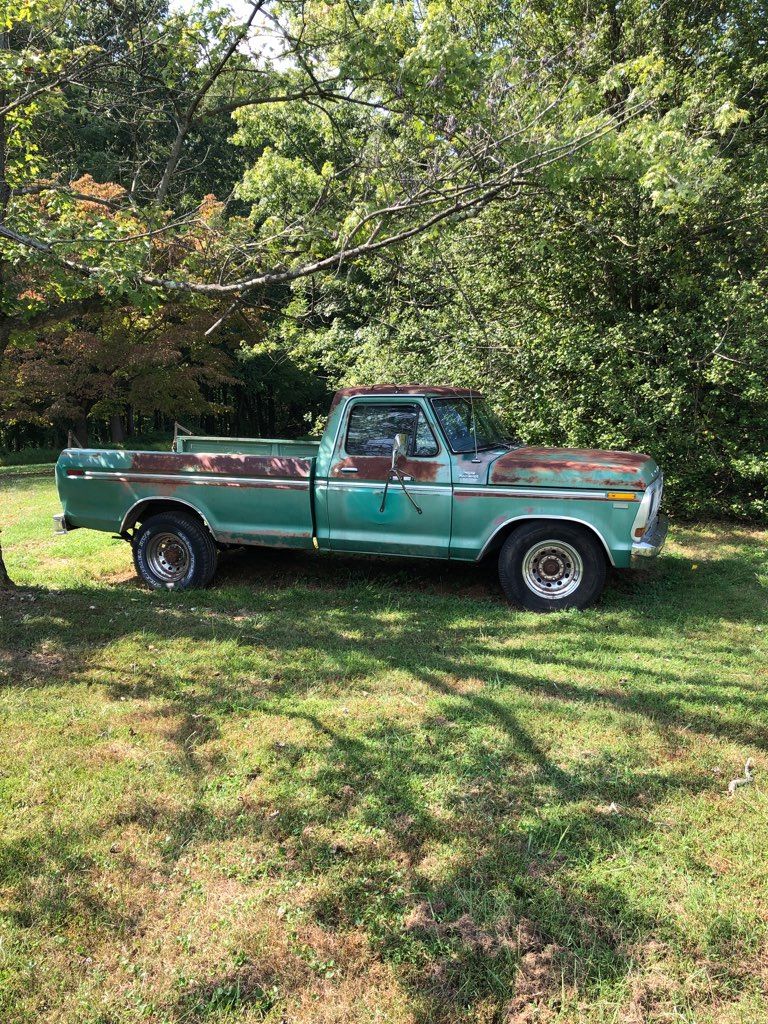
372,428
424,444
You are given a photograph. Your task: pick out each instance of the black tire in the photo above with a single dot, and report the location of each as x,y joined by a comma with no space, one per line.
541,559
174,551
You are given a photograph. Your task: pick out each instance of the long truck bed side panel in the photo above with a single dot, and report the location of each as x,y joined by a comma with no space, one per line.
253,499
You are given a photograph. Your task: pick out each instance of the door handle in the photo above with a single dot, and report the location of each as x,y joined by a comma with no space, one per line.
349,469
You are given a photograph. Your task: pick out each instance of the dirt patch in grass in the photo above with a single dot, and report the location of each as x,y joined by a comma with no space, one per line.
538,977
538,981
648,995
464,930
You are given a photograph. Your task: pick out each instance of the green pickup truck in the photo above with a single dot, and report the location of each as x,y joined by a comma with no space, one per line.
421,472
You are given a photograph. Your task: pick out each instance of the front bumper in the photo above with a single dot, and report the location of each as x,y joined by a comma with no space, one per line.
60,523
652,540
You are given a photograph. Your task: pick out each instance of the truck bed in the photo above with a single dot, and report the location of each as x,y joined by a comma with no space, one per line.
245,498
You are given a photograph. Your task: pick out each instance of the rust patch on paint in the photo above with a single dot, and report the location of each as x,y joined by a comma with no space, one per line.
594,467
268,538
271,466
376,468
413,390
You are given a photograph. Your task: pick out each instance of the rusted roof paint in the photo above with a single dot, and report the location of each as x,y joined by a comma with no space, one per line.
414,390
274,466
573,467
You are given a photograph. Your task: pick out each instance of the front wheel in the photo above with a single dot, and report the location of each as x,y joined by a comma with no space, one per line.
547,567
174,551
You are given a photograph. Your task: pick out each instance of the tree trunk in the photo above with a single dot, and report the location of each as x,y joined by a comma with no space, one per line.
116,428
6,583
130,423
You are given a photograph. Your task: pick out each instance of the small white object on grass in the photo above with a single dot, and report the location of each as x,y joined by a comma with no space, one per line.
748,777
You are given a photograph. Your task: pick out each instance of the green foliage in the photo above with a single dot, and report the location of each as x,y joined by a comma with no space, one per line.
619,304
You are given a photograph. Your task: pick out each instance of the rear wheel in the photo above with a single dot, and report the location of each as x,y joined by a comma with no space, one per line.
174,551
547,567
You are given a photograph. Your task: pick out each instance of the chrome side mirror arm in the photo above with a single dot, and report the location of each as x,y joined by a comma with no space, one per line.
399,448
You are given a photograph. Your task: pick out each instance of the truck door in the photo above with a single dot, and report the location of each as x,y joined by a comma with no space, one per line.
360,466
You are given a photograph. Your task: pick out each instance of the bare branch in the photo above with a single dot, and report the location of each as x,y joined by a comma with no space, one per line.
187,121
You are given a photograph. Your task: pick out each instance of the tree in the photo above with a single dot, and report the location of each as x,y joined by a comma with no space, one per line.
408,118
411,117
112,359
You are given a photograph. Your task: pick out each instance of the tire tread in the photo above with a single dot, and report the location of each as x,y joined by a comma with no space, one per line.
204,549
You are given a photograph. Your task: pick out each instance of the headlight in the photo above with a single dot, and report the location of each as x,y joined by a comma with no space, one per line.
649,506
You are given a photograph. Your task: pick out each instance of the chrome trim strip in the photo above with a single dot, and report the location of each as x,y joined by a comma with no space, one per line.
529,492
567,519
128,476
378,486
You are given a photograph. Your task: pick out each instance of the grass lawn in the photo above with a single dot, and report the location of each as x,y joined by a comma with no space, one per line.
339,790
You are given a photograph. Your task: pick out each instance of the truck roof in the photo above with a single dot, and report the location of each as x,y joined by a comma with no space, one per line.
404,389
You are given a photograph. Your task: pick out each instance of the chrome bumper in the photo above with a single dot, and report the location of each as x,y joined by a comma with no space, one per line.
60,523
652,540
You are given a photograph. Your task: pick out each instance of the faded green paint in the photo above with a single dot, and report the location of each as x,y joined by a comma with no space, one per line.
282,493
239,506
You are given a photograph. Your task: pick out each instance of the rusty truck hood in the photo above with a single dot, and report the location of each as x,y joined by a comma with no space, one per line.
573,467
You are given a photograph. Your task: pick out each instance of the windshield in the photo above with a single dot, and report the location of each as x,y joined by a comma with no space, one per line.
456,419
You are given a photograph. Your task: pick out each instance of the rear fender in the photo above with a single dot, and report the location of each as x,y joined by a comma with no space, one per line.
137,512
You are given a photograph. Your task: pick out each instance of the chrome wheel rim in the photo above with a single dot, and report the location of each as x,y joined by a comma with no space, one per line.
168,557
553,569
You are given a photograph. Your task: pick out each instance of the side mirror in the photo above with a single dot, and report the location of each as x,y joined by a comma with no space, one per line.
399,448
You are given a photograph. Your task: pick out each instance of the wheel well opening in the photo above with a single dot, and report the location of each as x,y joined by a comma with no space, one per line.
154,506
499,538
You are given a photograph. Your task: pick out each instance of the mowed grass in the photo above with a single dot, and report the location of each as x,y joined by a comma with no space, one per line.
340,790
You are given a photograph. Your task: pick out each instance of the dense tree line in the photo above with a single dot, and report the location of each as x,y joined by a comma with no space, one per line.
219,220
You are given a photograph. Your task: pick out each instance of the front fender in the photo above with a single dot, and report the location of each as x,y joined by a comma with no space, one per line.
482,515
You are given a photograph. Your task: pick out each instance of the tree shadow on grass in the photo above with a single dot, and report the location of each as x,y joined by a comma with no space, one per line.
366,840
455,840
